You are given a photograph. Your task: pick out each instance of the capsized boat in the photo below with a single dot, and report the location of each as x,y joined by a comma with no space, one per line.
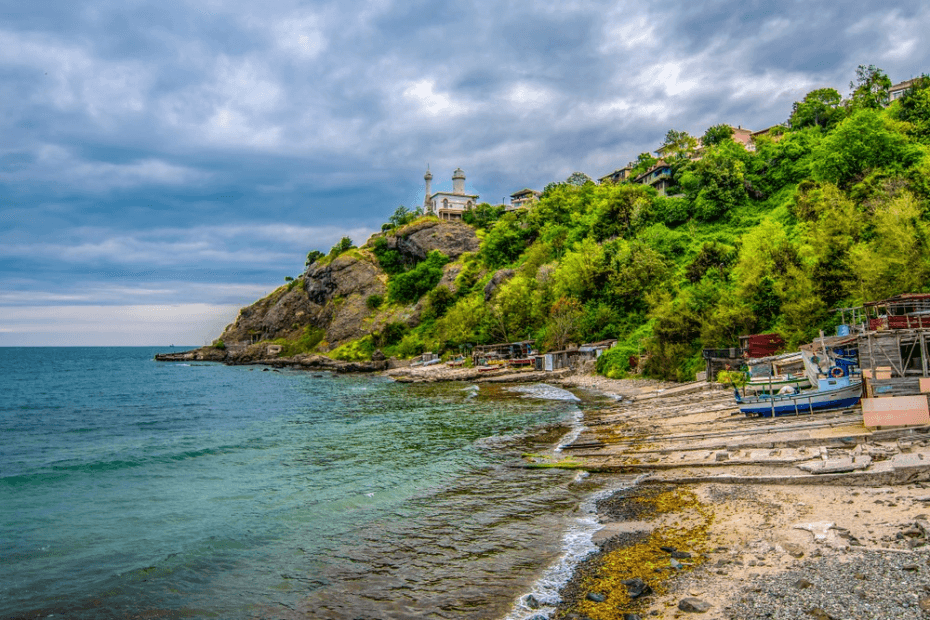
832,393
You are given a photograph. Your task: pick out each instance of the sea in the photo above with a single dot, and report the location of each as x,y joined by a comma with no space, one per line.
131,488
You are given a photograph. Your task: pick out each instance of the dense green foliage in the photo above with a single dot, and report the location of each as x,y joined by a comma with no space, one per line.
831,210
409,286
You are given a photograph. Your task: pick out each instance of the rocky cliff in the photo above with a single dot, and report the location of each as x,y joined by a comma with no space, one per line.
329,299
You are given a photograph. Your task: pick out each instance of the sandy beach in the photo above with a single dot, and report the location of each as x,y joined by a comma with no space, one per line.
811,516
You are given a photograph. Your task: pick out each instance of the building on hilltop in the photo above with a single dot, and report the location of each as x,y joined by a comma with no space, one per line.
659,177
523,199
446,205
897,91
617,176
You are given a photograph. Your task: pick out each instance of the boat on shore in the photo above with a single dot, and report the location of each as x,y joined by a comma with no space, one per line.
832,393
774,384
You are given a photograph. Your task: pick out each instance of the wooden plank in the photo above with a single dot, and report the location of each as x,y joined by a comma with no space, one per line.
895,411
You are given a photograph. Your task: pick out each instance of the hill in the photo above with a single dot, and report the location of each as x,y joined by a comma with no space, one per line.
828,210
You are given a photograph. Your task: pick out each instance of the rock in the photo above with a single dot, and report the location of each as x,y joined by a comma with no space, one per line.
531,601
912,568
693,605
681,555
924,603
631,617
596,597
793,549
676,564
668,549
378,356
820,614
722,456
637,587
803,584
500,276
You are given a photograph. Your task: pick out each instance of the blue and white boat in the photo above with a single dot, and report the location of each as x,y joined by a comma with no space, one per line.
832,393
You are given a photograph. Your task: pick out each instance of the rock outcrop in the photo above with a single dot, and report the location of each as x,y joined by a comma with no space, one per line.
417,240
330,299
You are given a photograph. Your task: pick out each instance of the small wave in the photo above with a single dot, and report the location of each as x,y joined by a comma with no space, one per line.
577,544
472,391
544,391
576,428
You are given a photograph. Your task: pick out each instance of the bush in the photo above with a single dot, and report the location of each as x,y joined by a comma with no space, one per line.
305,343
355,351
615,362
374,302
390,334
219,344
410,286
391,261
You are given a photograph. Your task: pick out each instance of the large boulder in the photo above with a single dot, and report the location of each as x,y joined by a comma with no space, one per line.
417,240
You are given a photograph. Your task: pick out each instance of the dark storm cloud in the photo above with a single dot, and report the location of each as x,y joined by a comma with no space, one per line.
232,137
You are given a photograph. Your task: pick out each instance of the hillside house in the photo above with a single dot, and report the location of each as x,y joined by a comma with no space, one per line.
897,91
659,177
523,199
617,176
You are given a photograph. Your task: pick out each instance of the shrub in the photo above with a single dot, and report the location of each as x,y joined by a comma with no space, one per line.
391,261
219,344
410,286
374,302
615,362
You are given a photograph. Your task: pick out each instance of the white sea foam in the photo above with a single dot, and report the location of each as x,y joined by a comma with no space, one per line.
577,544
544,391
577,425
472,391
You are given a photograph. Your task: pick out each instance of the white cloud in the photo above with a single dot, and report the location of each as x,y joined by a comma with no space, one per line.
300,36
428,101
69,77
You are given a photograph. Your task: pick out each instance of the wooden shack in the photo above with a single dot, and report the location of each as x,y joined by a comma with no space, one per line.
505,351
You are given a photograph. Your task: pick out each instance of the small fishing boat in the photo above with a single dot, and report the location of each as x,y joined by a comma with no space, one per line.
774,384
832,393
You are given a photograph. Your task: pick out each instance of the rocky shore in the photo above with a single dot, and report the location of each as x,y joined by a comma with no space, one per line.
813,517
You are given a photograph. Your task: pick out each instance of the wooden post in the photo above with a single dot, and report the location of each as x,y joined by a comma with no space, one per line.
923,353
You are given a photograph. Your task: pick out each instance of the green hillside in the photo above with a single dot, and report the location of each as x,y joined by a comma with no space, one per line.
830,209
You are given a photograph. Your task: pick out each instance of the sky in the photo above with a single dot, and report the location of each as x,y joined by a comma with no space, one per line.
165,164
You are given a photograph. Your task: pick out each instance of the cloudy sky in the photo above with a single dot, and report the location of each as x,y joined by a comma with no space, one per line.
162,167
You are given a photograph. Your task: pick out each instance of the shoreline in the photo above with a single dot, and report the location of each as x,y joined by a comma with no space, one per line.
766,534
777,536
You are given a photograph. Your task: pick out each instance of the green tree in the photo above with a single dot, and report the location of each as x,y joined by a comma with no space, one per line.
819,108
678,144
345,244
563,322
870,88
313,256
578,179
717,134
862,142
408,287
483,216
914,108
644,161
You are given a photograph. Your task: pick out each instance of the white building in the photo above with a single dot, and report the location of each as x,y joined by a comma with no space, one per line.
445,205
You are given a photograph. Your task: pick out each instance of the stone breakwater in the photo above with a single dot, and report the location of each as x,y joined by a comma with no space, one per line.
800,517
306,361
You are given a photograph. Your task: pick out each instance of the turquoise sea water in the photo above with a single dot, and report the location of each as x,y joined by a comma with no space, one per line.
132,488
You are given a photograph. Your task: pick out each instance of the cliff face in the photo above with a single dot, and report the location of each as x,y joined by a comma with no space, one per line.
332,296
